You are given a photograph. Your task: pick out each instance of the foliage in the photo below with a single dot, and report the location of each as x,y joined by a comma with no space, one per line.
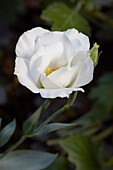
64,18
26,159
82,152
102,94
60,164
7,132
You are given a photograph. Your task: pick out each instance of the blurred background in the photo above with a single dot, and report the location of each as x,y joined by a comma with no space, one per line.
93,110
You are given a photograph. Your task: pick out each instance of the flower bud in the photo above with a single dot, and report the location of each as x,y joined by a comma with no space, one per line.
94,54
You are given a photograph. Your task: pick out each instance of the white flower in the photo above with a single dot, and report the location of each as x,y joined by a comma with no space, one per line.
53,64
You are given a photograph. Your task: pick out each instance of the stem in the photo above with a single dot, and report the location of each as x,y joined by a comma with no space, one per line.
54,115
22,139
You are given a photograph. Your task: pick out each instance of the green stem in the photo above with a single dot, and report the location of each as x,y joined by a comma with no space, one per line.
22,139
54,115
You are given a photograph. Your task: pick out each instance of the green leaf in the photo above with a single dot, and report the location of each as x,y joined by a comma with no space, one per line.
31,123
64,18
103,96
59,164
7,132
26,160
51,128
82,152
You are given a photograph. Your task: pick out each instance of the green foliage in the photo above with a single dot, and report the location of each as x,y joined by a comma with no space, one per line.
31,123
59,164
7,132
51,128
26,160
64,18
82,152
9,10
103,96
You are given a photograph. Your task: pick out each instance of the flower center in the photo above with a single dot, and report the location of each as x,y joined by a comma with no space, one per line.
49,70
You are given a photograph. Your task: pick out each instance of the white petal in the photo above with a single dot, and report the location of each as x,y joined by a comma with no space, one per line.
53,38
85,73
47,83
24,77
84,41
62,76
26,44
79,57
73,34
48,38
68,48
46,56
53,93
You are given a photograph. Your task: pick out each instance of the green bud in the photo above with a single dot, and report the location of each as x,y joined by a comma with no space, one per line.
94,54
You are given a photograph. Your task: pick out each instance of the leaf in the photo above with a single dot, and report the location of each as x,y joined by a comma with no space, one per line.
7,132
26,160
64,18
51,128
59,164
31,123
82,152
103,96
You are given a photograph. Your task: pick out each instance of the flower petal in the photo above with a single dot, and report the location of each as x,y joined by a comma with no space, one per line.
26,44
63,76
62,92
47,83
24,77
47,56
85,73
79,57
48,38
73,34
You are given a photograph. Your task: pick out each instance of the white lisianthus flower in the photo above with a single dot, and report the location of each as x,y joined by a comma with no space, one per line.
53,64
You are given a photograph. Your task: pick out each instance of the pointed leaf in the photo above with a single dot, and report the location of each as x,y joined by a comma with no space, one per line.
7,132
64,18
26,160
31,123
82,152
51,128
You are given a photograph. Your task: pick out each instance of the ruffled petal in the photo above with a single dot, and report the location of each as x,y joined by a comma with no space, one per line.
85,73
63,76
48,38
79,58
25,47
24,77
62,92
47,83
84,40
46,56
